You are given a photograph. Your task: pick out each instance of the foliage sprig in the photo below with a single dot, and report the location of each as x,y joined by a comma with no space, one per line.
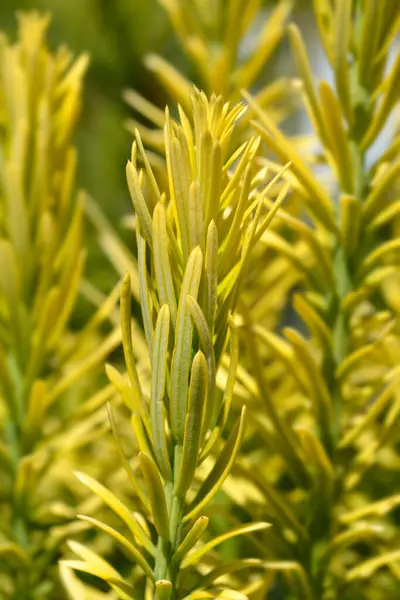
194,240
339,401
49,393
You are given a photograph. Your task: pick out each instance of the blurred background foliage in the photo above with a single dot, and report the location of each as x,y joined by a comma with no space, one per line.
117,34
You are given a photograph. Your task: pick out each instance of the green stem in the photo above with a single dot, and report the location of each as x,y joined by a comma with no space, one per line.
19,526
164,568
340,335
18,521
340,350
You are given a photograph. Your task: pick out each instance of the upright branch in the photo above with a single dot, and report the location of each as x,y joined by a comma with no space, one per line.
194,240
45,369
339,397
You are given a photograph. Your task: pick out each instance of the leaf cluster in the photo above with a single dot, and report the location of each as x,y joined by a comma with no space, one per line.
49,396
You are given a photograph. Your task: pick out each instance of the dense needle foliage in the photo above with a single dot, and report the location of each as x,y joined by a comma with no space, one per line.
250,443
50,376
